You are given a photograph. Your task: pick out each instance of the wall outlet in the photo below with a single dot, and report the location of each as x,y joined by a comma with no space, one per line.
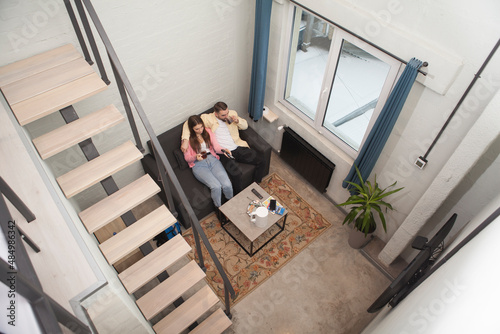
420,162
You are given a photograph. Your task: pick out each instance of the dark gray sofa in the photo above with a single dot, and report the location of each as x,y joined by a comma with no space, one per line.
196,192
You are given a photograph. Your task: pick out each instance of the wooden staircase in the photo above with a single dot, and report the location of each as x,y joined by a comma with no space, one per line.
40,85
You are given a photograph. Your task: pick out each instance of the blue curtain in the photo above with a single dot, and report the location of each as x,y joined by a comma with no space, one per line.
259,63
383,126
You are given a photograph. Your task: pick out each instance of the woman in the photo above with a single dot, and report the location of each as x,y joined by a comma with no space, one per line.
202,158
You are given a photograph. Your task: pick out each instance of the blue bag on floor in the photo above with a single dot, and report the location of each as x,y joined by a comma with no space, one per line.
173,230
168,234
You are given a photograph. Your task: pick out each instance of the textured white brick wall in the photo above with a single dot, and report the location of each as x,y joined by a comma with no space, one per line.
180,56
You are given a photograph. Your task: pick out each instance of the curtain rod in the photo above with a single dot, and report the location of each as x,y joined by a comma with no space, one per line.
425,64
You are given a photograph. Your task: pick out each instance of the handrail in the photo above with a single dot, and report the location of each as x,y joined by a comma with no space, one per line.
90,38
126,106
78,32
16,201
159,150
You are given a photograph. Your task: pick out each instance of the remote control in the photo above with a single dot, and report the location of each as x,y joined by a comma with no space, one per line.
228,154
257,193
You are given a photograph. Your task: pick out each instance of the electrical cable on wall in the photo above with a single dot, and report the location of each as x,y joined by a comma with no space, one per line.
422,160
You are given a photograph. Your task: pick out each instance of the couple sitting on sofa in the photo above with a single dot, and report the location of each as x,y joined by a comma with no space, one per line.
211,143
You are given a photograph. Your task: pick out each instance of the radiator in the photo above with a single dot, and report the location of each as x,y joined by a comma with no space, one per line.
306,160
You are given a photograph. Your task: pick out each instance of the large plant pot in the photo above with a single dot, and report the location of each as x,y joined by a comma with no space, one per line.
358,239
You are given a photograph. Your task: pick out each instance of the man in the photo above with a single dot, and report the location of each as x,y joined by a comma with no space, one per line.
225,124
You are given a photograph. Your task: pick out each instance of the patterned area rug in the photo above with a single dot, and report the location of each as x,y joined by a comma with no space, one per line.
303,225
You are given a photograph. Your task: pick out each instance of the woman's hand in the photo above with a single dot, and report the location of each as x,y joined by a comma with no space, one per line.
199,157
184,145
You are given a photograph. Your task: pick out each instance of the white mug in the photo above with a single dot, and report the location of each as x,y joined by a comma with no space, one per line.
259,216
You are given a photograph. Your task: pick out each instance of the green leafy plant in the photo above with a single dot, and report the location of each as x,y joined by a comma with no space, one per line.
366,200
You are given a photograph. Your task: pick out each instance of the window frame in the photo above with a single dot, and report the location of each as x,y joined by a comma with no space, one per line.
339,35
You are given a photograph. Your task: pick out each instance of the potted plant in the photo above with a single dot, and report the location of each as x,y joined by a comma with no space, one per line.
366,200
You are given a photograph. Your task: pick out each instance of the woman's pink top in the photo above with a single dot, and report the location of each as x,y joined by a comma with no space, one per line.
190,154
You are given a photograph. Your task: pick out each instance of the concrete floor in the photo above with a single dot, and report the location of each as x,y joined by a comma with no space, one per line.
324,289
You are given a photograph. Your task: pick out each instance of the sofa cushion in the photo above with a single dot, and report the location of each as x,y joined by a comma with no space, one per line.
198,194
169,141
179,157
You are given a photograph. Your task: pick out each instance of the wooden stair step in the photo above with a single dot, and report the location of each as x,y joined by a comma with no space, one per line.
116,204
98,169
170,290
77,131
143,230
216,323
154,263
45,81
41,62
46,103
188,312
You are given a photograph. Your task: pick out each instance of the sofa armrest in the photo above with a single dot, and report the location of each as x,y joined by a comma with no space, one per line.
150,167
256,142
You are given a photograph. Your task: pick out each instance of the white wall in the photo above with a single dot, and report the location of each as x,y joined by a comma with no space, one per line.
475,145
459,297
15,303
181,57
55,264
454,37
474,192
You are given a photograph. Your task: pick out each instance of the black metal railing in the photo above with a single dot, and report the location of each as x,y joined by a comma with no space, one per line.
168,177
20,277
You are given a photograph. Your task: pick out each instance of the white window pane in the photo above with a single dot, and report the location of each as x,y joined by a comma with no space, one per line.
358,82
311,39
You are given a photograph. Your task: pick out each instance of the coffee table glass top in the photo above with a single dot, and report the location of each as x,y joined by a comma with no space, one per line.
236,211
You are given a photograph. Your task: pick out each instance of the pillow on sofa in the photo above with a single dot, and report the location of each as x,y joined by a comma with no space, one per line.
179,156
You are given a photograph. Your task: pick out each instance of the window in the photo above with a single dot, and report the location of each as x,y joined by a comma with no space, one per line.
336,82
